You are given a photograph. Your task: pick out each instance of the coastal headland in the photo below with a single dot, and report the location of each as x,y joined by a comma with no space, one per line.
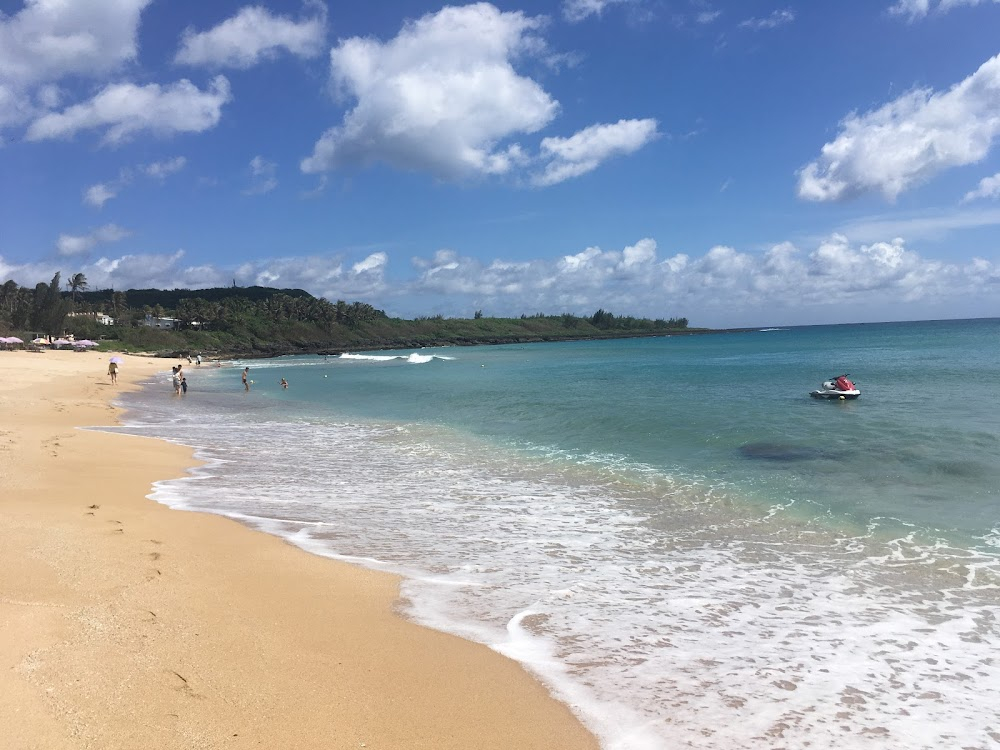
126,624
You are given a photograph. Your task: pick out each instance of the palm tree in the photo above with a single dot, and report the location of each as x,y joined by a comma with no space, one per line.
119,303
77,283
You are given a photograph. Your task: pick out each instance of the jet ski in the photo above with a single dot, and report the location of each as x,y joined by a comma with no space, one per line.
840,388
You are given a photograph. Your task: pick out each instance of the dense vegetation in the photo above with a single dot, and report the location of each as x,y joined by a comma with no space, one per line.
261,320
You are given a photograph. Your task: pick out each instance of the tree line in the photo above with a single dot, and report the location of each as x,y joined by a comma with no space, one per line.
267,320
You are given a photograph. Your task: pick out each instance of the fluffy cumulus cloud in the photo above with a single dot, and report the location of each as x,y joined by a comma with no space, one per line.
321,275
834,280
444,97
69,245
579,10
125,109
914,9
48,40
722,287
252,35
439,97
587,149
906,142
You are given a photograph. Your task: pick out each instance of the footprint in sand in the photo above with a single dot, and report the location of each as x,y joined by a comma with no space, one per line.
153,557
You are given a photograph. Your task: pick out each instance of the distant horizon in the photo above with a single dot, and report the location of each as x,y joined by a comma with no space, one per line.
700,160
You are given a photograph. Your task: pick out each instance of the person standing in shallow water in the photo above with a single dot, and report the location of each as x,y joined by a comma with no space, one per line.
246,383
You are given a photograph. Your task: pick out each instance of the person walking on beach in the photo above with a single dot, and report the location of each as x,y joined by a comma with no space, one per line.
246,383
113,372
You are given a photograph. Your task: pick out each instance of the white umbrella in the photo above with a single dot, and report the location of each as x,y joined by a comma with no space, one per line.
14,340
84,342
61,342
116,360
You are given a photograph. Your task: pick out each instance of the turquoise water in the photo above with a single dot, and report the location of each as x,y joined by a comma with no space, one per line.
668,531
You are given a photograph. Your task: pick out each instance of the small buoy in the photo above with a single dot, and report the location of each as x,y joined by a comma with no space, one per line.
251,382
482,365
841,398
326,376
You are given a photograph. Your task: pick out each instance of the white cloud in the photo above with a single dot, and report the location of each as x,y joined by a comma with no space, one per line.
586,150
724,286
161,169
989,187
126,109
835,280
914,9
910,8
578,10
374,263
927,225
251,35
776,19
909,140
262,176
99,194
441,96
48,40
706,17
68,245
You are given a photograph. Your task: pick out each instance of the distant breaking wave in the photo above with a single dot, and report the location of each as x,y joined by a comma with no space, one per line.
413,359
761,330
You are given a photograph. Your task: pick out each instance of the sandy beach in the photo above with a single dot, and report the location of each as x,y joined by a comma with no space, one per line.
128,625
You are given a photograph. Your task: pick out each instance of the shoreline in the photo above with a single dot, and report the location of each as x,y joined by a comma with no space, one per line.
128,624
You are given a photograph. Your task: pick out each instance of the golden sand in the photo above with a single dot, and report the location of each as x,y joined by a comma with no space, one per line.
124,624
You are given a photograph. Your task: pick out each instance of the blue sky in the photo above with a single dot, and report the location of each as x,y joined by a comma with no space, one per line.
736,163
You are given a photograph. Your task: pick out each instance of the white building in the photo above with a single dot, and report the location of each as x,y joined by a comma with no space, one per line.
101,318
167,323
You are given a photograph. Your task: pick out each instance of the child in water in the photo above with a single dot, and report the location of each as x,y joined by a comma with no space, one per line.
184,385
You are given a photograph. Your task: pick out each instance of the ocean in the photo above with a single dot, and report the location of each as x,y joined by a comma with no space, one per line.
678,541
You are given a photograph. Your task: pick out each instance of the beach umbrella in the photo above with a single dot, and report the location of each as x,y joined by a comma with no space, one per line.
84,342
61,342
39,340
14,340
116,360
